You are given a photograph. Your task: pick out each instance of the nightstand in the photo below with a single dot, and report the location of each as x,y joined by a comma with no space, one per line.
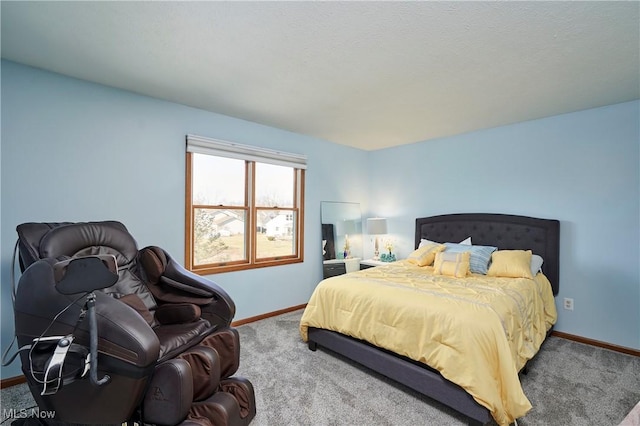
370,263
333,267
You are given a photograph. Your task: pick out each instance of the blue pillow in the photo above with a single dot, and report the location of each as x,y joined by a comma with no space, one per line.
480,256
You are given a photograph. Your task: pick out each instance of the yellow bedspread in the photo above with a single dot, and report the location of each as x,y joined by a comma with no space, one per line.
477,331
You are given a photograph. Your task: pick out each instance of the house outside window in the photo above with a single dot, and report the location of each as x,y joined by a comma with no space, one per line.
244,206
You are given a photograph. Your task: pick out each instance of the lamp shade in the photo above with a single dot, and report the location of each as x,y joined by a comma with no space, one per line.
376,226
345,227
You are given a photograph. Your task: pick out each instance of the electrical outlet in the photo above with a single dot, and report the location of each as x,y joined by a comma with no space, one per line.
568,304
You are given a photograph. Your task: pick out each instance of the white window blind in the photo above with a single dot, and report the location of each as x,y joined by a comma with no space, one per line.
203,145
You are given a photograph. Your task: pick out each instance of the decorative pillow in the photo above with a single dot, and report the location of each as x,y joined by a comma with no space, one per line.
480,255
425,254
466,242
511,263
452,264
536,264
423,241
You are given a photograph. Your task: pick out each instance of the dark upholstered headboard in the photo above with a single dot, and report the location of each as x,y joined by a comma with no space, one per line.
507,232
329,237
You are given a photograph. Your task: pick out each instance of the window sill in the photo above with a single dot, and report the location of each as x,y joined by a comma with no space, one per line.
211,270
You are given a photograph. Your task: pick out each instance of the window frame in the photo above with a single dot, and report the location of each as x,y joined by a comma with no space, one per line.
251,232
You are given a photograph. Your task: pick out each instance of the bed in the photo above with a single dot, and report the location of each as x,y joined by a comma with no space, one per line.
461,390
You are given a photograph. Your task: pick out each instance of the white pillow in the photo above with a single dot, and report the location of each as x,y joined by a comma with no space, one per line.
536,264
466,242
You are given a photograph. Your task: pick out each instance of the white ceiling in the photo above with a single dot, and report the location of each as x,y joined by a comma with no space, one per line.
366,74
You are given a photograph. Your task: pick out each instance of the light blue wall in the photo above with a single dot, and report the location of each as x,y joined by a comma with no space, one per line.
78,151
581,168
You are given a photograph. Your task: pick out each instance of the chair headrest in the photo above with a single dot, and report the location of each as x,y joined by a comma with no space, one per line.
89,238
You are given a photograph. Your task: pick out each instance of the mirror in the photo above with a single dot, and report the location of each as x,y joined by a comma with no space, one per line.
341,230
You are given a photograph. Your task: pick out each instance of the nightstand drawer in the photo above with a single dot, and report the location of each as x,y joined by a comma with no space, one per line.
333,269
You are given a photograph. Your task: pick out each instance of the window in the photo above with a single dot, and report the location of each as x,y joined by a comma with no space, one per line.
244,206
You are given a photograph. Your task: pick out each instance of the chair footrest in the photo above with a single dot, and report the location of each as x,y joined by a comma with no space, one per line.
233,405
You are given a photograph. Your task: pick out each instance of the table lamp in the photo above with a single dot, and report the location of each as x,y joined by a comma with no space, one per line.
376,226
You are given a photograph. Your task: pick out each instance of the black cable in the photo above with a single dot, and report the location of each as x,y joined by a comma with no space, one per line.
13,304
45,332
6,362
93,343
13,275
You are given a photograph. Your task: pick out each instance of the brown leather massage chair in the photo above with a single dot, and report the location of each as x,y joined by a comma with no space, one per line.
111,334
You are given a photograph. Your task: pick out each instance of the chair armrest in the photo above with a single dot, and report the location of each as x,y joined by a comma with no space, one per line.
122,332
221,306
170,282
195,291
